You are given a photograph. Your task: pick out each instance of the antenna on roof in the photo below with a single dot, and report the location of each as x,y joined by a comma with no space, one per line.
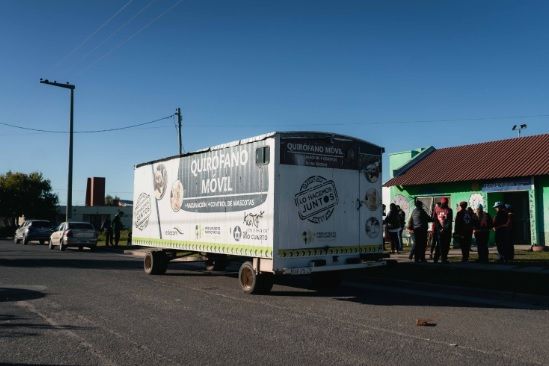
519,128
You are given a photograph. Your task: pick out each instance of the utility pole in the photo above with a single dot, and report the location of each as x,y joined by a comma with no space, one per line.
68,211
179,120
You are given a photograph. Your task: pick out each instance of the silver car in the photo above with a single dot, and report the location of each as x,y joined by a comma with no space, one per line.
39,230
74,234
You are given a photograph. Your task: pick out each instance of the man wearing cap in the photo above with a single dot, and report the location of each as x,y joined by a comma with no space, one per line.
500,227
443,230
482,226
464,230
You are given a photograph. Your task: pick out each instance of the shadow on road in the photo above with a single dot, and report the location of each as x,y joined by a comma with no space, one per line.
8,294
80,262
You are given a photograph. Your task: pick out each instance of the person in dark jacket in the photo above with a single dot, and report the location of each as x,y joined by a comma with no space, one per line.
117,227
392,222
482,226
464,230
500,227
106,227
443,230
402,218
419,221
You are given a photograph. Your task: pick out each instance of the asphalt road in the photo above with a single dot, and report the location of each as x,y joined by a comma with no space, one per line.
84,308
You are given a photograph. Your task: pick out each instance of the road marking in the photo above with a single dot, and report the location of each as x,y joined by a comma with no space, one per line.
30,307
368,328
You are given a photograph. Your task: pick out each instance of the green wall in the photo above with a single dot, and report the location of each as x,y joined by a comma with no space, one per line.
542,212
470,192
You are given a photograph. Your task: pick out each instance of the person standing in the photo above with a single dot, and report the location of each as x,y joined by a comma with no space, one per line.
509,245
443,230
117,227
434,236
482,226
419,221
402,218
464,230
500,228
106,227
393,227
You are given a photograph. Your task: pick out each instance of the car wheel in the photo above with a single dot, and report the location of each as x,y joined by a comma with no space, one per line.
61,245
15,240
92,248
25,240
50,244
80,248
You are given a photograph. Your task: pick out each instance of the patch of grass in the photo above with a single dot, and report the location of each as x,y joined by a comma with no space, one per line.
123,238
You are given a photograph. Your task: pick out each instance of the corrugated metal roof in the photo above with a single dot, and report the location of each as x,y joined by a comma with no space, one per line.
517,157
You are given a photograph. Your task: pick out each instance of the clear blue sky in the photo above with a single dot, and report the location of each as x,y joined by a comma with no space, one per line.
401,74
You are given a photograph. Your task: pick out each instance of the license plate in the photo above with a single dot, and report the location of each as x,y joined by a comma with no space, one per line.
299,271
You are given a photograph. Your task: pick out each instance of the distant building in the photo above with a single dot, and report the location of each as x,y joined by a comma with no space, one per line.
514,171
96,214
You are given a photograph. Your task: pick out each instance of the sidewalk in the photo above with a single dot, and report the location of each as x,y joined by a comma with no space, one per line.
456,255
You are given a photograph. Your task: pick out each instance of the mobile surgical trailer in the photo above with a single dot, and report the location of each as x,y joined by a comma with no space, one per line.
289,202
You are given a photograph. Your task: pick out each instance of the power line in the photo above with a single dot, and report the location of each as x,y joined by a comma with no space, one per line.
86,131
119,45
119,29
373,123
93,33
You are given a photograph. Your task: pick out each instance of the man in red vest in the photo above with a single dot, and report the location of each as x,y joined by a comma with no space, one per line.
443,230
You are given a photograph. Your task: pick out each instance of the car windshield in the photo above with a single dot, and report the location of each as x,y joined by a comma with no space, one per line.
80,225
41,224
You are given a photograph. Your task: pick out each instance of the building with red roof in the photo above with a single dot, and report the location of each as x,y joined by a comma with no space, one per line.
514,171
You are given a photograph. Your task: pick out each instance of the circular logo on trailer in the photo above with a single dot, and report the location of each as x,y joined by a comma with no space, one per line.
373,227
316,199
160,181
176,196
142,211
237,233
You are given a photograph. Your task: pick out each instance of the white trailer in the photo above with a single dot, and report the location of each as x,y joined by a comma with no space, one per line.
289,202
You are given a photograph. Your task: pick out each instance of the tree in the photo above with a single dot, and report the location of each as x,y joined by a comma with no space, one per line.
26,194
111,201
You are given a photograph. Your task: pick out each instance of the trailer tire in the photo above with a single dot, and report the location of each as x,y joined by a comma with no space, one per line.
155,263
326,280
252,282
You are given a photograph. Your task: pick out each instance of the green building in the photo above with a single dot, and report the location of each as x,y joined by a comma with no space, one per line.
514,171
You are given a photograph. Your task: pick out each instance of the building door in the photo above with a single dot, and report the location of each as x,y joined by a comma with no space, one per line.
521,216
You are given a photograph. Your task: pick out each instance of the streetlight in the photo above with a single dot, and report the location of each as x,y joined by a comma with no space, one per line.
519,128
68,211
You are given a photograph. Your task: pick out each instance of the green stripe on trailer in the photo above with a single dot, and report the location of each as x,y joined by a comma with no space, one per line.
308,252
223,248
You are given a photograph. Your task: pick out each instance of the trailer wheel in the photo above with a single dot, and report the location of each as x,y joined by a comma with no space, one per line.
326,280
252,282
155,263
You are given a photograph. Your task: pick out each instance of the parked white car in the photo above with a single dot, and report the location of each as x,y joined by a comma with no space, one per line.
74,234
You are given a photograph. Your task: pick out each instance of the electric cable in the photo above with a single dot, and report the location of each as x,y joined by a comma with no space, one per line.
93,33
86,131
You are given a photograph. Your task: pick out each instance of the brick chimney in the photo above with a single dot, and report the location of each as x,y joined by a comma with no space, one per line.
95,191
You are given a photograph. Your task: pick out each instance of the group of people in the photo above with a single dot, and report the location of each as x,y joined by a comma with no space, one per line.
436,230
112,229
